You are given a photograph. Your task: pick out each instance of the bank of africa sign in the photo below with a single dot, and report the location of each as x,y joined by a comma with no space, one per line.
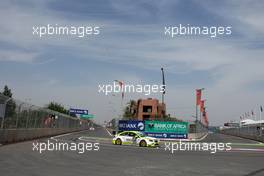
166,127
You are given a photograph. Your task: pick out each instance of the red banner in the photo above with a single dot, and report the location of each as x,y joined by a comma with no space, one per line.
198,96
206,119
202,105
121,84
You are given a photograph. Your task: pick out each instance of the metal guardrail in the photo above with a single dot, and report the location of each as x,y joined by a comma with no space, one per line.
15,114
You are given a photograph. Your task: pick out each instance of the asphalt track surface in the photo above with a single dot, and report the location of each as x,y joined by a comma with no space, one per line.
245,159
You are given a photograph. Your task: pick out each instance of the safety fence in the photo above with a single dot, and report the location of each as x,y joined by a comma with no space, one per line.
21,120
197,127
17,114
255,132
197,130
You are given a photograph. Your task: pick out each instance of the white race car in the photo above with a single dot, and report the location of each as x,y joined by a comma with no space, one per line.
136,138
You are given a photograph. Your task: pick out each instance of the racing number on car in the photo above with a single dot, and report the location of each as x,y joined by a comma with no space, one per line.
133,137
128,138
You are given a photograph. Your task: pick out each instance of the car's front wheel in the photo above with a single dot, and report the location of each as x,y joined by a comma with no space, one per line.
143,143
118,142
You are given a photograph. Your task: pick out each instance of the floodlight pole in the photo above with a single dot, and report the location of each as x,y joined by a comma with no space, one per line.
163,83
163,92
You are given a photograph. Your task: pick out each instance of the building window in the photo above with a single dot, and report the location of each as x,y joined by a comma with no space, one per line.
147,109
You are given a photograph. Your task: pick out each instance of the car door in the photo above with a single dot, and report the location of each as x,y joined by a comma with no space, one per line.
132,138
127,138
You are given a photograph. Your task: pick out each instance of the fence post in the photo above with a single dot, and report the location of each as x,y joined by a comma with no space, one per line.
27,119
4,113
19,111
35,121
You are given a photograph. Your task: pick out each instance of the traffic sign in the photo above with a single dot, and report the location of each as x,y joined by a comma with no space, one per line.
78,111
86,116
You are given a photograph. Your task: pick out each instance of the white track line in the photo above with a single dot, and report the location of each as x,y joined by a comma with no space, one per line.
67,134
108,132
247,149
109,144
93,138
161,147
202,138
81,138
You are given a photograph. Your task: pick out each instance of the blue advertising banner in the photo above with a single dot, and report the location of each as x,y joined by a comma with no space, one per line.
167,135
131,125
78,111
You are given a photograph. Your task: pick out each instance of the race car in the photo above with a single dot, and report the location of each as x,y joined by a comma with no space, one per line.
136,138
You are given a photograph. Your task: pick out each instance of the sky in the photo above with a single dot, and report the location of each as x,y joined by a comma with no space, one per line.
132,47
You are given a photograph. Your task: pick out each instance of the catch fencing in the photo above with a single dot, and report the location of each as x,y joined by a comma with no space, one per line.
197,130
255,132
17,117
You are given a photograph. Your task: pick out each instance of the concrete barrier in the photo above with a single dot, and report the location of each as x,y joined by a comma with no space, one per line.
16,135
196,136
250,132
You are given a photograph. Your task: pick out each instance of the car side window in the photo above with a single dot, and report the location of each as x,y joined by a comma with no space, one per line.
132,134
124,134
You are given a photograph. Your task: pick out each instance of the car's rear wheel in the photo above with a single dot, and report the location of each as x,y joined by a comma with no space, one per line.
118,142
143,143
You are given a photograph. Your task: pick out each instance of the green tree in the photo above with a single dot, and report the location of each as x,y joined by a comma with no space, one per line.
130,110
10,111
167,117
7,92
57,107
113,123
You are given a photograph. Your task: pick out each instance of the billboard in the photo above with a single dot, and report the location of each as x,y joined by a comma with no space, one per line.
166,127
169,129
86,116
131,125
78,111
158,129
167,135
